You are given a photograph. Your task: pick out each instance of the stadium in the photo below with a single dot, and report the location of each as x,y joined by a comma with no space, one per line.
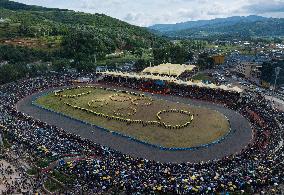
53,117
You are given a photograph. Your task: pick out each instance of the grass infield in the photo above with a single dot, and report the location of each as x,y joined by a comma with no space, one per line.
206,127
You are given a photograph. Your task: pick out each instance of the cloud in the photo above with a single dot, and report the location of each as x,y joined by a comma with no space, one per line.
264,6
135,18
148,12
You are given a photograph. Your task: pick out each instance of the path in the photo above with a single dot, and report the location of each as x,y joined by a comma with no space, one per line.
241,133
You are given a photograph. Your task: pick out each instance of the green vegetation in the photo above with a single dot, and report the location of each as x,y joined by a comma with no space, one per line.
236,27
32,171
207,125
6,144
52,186
228,48
66,179
175,54
43,163
240,30
67,39
183,51
110,33
268,72
205,61
19,63
202,77
35,40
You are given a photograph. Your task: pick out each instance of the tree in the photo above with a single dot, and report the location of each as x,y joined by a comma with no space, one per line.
160,55
12,72
138,52
178,54
84,44
141,64
268,72
59,64
205,61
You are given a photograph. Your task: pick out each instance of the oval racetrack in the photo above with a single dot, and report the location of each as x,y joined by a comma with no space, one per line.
240,136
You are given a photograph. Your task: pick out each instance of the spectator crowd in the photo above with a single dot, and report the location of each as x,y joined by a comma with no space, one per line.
257,168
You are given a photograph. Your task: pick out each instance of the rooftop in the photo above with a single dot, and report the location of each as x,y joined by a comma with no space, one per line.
169,69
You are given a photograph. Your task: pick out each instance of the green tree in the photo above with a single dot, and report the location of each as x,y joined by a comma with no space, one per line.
160,55
59,64
141,64
267,72
205,61
12,72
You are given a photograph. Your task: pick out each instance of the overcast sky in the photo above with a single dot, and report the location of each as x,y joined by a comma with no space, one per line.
148,12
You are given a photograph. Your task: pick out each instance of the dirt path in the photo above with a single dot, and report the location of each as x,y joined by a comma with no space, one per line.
241,133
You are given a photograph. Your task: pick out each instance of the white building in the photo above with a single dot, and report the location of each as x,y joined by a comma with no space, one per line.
249,70
101,68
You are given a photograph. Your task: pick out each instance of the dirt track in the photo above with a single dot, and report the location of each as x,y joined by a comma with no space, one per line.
240,136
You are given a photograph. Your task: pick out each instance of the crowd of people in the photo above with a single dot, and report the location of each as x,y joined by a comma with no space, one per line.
257,168
13,175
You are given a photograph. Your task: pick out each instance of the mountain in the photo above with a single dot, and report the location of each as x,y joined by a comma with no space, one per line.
237,26
202,23
18,20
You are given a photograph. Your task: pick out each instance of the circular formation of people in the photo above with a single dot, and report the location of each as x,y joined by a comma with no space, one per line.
124,112
256,169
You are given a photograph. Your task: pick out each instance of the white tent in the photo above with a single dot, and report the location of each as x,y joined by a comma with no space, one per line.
169,69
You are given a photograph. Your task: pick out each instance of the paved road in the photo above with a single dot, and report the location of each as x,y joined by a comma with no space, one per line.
240,136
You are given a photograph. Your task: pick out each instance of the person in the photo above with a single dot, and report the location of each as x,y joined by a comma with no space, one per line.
257,168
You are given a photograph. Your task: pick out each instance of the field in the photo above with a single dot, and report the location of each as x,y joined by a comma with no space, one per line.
204,125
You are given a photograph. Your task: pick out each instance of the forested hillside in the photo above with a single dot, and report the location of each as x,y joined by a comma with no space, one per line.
19,20
225,28
35,40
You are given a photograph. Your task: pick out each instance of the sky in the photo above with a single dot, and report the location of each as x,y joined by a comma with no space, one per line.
149,12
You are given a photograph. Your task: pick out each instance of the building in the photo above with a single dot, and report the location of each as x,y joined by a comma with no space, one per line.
129,66
2,20
101,68
249,70
168,69
218,59
83,80
3,63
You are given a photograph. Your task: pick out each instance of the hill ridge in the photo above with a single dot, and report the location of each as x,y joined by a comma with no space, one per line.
239,26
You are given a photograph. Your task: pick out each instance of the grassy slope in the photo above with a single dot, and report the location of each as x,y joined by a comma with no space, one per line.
45,28
207,126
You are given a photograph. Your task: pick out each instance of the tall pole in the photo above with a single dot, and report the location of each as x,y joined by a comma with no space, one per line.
277,71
